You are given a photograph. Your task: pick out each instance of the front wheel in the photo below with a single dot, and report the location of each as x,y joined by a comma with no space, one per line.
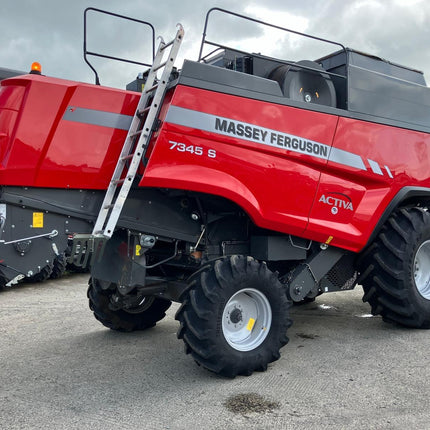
234,316
145,314
396,269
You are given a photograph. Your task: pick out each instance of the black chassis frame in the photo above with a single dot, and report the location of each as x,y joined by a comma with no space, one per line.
162,238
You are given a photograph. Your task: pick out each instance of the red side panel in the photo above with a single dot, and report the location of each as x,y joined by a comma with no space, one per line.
235,147
369,164
56,133
324,177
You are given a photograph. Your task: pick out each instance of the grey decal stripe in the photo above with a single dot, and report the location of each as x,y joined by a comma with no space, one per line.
347,158
190,118
266,136
98,117
375,167
389,172
246,131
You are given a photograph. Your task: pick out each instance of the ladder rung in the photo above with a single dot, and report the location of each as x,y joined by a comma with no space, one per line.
167,45
154,87
117,181
108,206
143,111
136,133
160,66
126,157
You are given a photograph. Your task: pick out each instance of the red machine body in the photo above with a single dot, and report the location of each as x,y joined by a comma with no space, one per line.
63,134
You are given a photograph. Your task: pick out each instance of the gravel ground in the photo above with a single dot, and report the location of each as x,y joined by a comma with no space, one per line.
342,369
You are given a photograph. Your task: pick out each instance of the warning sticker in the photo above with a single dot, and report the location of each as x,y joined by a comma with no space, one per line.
37,219
250,324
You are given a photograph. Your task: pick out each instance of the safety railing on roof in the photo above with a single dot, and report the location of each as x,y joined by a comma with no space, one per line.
219,46
110,57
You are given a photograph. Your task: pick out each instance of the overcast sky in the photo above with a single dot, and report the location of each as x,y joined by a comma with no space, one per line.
51,31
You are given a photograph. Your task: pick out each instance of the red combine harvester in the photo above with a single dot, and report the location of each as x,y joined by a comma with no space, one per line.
236,185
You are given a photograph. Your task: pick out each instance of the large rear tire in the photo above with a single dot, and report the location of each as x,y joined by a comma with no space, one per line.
396,270
145,315
234,316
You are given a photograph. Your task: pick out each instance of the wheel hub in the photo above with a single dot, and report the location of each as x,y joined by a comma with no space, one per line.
236,316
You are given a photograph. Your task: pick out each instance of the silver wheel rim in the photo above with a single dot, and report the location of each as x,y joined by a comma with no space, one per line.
422,269
246,319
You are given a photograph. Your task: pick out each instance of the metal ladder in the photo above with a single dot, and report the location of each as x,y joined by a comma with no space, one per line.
138,138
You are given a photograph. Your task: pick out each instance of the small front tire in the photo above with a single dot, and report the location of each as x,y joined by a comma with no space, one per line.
146,315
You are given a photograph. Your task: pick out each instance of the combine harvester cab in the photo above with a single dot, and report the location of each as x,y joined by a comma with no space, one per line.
236,186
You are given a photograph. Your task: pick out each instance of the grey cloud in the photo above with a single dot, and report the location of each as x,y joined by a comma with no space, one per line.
51,31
